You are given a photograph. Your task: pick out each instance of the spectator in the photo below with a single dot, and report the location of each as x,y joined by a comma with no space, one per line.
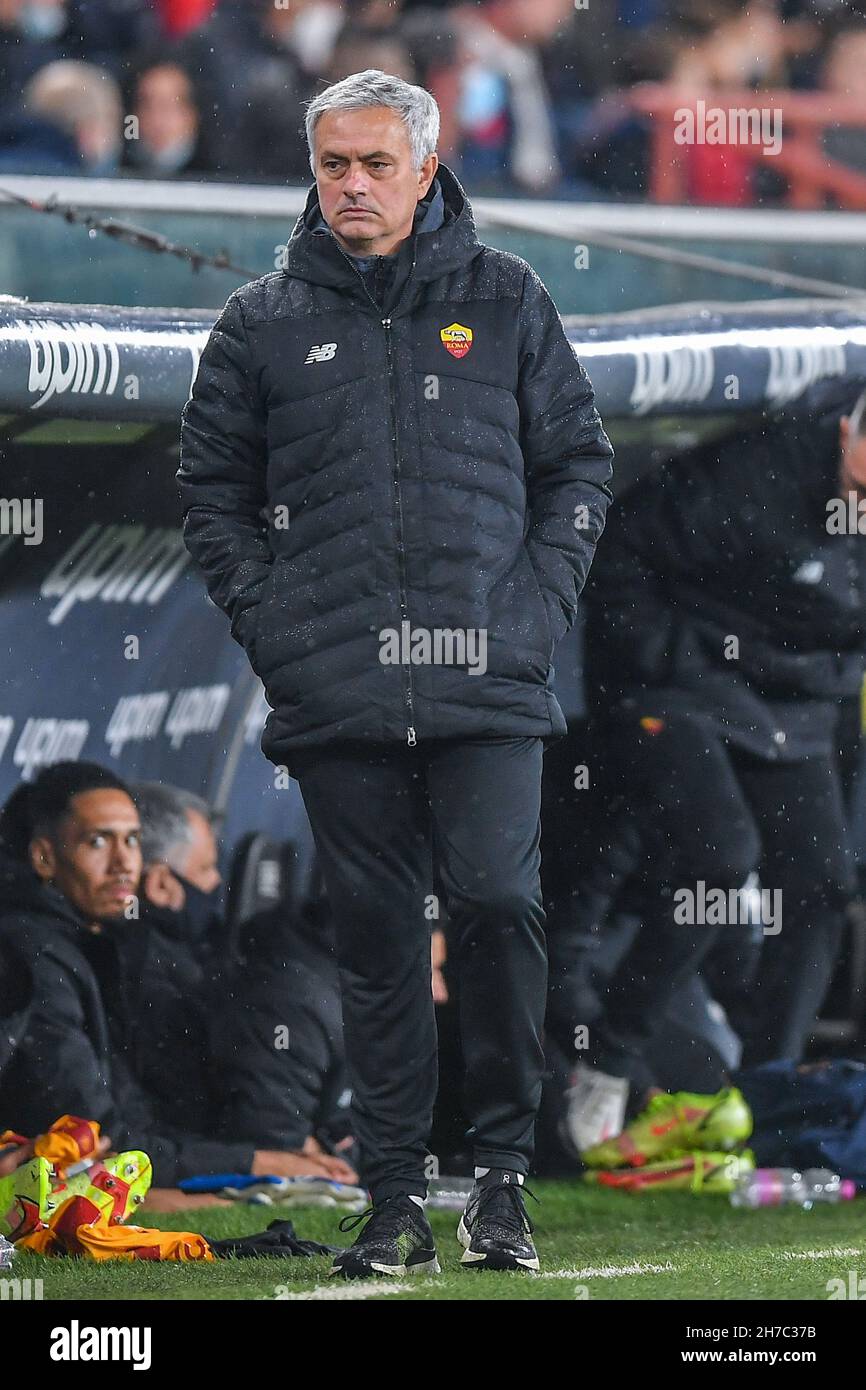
356,51
505,106
842,75
20,56
70,122
180,16
166,139
252,85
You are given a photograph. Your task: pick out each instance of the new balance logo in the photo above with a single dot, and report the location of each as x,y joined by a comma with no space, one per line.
320,352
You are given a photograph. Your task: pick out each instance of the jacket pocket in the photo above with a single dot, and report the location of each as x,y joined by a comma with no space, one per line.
255,618
544,625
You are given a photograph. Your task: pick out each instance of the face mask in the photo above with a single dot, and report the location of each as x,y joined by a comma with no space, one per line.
104,168
42,22
170,159
200,913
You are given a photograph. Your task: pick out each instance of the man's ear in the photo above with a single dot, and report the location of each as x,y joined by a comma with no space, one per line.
426,173
43,858
844,432
160,887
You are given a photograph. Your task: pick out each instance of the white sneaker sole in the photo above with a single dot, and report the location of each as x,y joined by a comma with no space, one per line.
393,1271
477,1260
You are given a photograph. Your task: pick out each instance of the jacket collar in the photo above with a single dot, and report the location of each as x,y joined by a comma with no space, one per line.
22,892
321,260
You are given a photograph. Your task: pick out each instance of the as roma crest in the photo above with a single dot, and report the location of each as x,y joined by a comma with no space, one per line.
457,339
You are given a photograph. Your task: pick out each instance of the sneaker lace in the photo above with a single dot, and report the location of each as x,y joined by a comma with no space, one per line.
387,1219
514,1213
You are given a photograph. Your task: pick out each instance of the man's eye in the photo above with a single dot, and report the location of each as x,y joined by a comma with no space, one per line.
133,838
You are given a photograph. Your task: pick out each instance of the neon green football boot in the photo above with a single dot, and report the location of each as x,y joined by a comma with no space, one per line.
697,1172
25,1198
675,1124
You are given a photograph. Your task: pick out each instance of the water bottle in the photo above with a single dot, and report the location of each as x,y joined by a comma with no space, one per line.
776,1187
449,1194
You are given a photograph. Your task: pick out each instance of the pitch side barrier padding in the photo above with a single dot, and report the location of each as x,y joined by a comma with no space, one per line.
103,362
112,650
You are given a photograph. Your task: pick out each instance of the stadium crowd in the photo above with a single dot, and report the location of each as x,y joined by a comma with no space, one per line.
534,94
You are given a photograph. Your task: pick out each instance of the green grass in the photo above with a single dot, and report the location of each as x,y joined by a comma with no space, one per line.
715,1253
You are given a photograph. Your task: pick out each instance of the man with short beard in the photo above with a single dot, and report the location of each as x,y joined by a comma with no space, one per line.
391,437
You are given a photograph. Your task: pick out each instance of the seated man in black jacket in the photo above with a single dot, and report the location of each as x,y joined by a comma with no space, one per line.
281,1060
227,1019
726,627
70,870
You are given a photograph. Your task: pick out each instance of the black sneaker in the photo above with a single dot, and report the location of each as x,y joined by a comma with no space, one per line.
396,1240
494,1229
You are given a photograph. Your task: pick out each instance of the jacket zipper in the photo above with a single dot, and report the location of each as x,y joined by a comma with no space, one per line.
398,500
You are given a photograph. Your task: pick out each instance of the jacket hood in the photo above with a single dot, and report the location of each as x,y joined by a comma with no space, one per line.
444,246
23,894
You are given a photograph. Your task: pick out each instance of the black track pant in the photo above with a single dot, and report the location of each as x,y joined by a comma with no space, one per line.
384,819
686,807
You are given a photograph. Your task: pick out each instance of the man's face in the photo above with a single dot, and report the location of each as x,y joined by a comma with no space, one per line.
368,189
200,866
94,859
165,108
852,468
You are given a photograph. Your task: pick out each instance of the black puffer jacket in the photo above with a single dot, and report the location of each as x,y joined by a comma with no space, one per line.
425,482
731,541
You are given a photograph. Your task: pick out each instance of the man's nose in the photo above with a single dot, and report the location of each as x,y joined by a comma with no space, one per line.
356,181
125,857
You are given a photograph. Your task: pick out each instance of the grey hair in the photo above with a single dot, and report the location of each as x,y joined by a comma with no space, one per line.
857,424
373,87
165,829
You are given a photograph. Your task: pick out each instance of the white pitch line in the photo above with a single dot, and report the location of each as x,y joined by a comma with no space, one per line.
358,1289
606,1271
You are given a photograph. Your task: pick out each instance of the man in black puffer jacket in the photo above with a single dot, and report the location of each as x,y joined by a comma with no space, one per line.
393,477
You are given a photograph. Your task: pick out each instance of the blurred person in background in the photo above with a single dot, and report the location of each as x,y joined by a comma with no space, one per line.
103,33
356,51
726,633
167,139
69,122
508,136
841,75
218,1015
174,977
719,46
20,56
250,59
278,1046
